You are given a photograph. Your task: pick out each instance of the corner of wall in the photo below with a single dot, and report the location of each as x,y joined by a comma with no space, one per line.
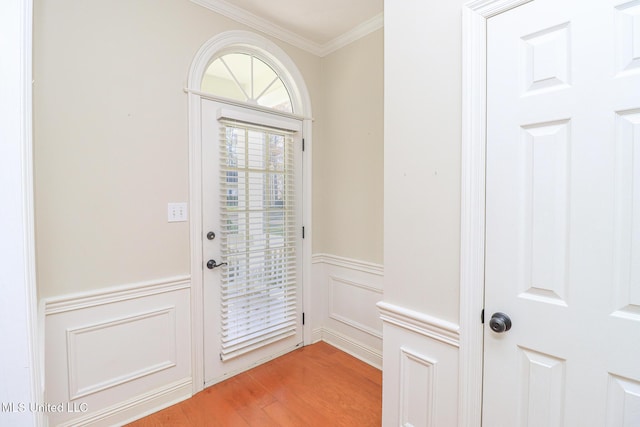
344,294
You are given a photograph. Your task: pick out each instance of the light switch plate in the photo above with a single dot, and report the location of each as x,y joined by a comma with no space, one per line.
177,212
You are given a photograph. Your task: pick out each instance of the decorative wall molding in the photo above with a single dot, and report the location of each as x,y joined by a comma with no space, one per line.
348,318
420,375
353,35
163,356
417,388
251,20
343,310
350,263
98,297
423,324
106,349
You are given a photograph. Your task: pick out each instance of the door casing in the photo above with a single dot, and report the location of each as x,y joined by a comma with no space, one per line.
472,219
294,81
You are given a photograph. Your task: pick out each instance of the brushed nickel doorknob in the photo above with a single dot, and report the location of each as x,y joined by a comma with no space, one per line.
500,323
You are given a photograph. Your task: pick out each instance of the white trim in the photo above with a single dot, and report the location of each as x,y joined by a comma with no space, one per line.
16,133
268,51
246,105
342,319
356,349
104,296
282,123
423,324
316,335
364,29
137,407
474,97
409,356
350,263
72,334
488,8
307,220
286,69
257,23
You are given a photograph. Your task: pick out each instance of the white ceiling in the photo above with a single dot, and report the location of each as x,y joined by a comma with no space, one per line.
317,26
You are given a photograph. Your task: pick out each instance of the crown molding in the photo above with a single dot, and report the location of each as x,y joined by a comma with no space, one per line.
366,28
251,20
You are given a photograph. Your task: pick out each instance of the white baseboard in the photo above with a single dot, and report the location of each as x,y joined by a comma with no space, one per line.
317,335
136,407
358,350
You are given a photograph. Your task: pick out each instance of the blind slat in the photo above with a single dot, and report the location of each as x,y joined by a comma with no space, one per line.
258,238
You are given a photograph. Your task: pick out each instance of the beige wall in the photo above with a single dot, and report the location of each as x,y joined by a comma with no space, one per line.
111,140
111,137
348,179
422,155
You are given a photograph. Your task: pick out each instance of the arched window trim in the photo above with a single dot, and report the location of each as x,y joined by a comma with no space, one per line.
265,50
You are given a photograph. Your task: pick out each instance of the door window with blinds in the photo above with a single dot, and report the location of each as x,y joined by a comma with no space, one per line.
258,237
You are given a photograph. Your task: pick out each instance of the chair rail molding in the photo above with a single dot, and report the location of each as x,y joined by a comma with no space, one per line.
420,323
350,263
474,85
77,301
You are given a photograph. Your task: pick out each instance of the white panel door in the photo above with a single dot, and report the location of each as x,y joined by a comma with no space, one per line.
563,215
252,242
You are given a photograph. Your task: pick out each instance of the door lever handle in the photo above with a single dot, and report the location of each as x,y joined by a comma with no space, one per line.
211,264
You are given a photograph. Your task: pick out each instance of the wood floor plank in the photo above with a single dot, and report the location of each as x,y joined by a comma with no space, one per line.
317,385
211,408
285,417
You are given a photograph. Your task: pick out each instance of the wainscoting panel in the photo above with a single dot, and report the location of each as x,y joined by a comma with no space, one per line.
115,355
151,339
351,302
420,369
417,373
344,313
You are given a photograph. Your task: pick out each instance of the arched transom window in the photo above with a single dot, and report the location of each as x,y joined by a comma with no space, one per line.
245,77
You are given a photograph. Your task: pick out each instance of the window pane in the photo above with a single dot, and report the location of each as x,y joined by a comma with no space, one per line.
276,97
263,76
218,80
246,78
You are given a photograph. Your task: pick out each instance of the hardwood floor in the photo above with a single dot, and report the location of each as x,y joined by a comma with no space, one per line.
317,385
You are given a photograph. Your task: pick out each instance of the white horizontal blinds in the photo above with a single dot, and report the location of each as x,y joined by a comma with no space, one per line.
258,237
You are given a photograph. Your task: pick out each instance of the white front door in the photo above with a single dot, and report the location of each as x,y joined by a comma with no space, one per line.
252,252
563,215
